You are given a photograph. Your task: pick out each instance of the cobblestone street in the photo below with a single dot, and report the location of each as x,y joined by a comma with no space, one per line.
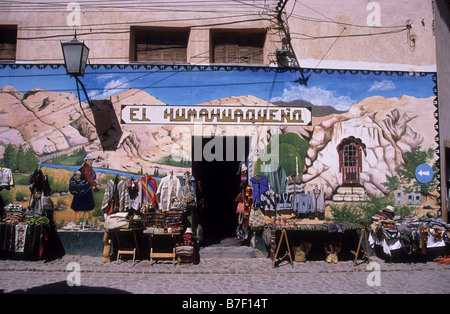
221,276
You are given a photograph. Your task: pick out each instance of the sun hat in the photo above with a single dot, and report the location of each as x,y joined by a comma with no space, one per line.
88,157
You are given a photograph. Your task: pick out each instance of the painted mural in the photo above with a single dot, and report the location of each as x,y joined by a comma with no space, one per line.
353,134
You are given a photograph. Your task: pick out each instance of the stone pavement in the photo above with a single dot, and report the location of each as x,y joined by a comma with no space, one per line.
221,276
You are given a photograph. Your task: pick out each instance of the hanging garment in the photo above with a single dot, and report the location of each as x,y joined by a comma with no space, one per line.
285,202
21,231
260,185
192,185
168,189
7,178
294,186
243,171
269,201
133,194
303,204
122,199
277,179
148,191
318,203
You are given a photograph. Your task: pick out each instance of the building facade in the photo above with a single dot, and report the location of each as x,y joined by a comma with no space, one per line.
343,98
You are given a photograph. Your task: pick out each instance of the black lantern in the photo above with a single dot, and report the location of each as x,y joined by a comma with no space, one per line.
75,56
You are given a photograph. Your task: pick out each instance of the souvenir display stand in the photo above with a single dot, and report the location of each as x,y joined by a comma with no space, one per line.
409,238
143,208
169,241
127,240
28,232
366,253
295,242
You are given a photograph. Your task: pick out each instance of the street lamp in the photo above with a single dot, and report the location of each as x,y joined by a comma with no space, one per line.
75,56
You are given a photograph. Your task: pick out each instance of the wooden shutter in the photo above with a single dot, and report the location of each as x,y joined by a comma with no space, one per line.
163,46
8,40
237,47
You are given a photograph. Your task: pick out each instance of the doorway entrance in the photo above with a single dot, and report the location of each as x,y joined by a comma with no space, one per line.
216,171
350,160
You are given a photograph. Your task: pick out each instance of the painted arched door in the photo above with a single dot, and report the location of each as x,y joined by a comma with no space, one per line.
350,160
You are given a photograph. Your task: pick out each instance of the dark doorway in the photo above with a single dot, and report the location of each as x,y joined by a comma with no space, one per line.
220,183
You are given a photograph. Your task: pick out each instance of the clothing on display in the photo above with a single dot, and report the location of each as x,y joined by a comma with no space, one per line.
277,180
121,202
149,188
243,171
260,185
189,190
318,202
133,193
412,234
169,190
303,205
7,178
294,186
285,201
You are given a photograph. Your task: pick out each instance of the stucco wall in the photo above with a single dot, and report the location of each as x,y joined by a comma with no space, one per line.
314,26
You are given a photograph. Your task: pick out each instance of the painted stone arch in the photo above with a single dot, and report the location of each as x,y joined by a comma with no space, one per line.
350,151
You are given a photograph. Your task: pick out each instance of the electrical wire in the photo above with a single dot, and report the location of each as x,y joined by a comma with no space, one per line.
330,47
306,36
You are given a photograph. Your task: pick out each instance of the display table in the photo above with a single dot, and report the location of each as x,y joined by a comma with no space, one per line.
124,248
329,236
167,238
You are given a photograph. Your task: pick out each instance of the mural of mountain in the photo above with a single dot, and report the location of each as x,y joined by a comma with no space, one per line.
52,124
317,111
388,127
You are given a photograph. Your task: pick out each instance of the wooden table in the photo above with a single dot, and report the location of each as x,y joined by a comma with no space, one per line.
154,238
130,250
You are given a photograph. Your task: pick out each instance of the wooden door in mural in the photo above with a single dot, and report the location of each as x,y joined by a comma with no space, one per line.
350,160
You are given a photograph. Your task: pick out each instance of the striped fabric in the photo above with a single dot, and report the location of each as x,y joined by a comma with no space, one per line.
149,189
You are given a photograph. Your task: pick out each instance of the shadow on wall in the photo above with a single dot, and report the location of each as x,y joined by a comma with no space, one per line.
107,124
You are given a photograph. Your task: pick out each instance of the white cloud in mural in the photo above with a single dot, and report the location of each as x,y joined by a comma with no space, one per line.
111,88
317,96
382,86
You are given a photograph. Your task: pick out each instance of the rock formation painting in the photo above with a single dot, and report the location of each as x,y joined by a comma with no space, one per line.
366,129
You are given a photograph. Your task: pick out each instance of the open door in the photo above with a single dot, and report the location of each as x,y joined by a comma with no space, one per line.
220,184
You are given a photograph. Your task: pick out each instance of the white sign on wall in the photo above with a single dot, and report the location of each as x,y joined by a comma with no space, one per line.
147,114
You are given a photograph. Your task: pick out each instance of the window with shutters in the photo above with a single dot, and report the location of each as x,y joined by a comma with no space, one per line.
160,45
238,46
8,41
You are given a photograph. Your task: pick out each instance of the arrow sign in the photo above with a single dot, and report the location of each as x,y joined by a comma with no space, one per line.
424,173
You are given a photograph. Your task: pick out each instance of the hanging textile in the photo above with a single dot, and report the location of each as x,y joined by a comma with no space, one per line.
148,190
260,185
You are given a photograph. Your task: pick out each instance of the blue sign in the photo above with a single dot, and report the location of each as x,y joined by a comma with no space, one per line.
424,173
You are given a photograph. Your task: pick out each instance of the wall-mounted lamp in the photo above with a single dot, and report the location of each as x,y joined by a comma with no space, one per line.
75,56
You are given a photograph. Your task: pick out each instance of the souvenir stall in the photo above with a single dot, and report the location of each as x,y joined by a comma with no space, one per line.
28,232
278,208
409,238
141,210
